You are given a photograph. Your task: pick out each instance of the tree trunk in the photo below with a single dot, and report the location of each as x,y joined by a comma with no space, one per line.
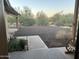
17,22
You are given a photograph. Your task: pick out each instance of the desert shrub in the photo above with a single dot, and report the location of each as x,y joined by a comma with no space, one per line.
16,45
60,34
22,44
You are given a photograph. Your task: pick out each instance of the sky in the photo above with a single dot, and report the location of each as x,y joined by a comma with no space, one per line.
50,7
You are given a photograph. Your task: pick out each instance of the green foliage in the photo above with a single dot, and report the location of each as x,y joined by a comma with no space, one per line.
27,21
27,18
61,19
16,45
22,43
42,19
11,19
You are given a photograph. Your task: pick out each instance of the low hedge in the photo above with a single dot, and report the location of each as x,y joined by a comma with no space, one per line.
16,45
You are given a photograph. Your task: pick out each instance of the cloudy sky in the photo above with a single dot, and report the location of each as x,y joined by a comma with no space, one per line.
50,7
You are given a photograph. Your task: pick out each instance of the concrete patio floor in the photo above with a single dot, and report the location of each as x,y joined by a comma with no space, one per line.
38,50
51,53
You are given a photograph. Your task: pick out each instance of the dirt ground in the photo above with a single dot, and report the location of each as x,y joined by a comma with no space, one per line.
53,36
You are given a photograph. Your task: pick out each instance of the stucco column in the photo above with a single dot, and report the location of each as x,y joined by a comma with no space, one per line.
75,19
3,34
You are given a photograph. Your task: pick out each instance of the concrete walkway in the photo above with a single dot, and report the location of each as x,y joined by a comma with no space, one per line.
38,50
51,53
35,42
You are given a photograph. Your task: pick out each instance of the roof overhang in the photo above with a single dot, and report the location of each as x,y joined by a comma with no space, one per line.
9,9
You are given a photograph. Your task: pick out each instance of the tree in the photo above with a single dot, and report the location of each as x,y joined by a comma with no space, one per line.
26,19
42,19
11,19
68,19
62,19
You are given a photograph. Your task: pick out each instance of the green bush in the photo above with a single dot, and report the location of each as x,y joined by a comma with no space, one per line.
16,45
22,44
